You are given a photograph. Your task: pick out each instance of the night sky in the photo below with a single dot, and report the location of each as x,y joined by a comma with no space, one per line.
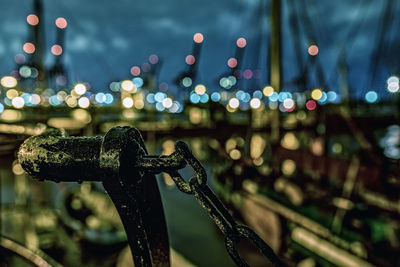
106,38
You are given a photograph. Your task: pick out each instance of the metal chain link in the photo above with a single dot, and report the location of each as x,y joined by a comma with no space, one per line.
197,186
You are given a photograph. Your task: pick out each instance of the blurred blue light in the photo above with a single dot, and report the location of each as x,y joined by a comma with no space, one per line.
204,98
215,96
100,98
180,109
159,97
332,96
282,96
27,98
138,82
194,98
160,106
7,101
1,108
274,97
323,98
54,101
240,95
109,99
371,96
258,94
150,98
246,97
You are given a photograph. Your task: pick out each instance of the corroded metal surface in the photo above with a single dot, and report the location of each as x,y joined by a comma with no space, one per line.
114,160
121,162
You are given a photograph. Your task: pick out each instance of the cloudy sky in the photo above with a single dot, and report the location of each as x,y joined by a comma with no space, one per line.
106,38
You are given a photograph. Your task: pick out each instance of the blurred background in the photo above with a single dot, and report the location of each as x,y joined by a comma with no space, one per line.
292,107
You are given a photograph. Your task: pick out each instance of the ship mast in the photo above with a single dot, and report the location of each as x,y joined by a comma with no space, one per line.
275,52
38,40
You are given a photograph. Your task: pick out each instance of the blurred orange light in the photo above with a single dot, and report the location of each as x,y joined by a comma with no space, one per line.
198,38
232,62
313,50
56,50
32,19
29,48
61,23
190,59
241,42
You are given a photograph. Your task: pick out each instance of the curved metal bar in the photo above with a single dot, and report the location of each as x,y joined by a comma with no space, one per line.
112,160
136,197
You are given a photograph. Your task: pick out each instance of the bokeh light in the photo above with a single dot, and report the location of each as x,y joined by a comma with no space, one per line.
313,50
8,81
18,102
84,102
311,104
32,19
61,23
232,62
200,89
268,91
234,103
128,86
29,48
316,94
19,59
190,59
127,102
80,88
167,102
187,82
247,74
255,103
153,59
135,71
198,38
241,42
215,96
288,103
371,96
393,84
56,50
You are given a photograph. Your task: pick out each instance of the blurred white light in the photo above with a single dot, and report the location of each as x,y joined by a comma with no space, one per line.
288,103
167,102
80,88
18,102
255,103
234,103
83,102
127,102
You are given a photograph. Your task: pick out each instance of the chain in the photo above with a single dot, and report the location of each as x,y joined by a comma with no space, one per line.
197,186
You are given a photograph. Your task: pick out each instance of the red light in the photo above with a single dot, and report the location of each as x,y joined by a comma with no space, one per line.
190,59
29,48
135,71
232,62
198,38
241,42
32,19
61,23
56,50
313,50
311,105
